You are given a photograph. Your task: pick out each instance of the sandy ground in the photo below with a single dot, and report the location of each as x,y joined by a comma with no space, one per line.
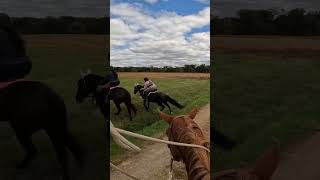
156,75
302,162
154,160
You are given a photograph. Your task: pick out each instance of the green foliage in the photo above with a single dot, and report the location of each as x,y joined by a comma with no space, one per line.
269,22
186,68
61,25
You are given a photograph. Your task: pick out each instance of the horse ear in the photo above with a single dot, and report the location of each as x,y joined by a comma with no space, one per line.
82,73
193,113
166,117
268,162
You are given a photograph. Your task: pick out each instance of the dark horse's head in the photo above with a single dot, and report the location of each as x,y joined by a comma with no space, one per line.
137,88
87,85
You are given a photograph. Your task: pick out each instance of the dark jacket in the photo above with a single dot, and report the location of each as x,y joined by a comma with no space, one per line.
14,64
112,77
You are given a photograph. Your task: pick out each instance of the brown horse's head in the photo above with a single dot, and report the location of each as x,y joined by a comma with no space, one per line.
185,130
263,169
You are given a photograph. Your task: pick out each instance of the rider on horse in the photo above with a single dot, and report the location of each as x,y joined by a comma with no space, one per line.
14,63
149,86
110,81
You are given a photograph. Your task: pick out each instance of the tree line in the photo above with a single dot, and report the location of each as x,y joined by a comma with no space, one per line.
186,68
61,25
296,22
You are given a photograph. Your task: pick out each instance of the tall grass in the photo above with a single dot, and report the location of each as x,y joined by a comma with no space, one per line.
260,97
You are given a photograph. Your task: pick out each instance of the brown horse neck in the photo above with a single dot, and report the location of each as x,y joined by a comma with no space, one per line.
196,167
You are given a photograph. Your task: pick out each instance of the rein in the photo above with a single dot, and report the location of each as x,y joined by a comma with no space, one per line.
123,142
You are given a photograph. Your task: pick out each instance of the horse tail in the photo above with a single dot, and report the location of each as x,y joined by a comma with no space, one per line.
222,140
174,102
133,108
64,135
74,147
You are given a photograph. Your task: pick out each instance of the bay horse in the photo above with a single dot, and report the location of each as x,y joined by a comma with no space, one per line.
185,130
88,84
264,167
157,97
31,106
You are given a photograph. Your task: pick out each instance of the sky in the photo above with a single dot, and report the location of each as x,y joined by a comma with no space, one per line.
228,8
55,8
159,32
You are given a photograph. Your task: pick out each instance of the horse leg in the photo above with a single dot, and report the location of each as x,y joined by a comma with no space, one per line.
75,148
145,106
165,103
118,107
129,109
162,106
133,108
31,151
59,144
170,170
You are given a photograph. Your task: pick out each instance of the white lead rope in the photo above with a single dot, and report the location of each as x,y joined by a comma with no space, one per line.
139,136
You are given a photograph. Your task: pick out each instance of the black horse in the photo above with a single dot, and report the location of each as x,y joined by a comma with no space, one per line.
88,85
157,97
31,106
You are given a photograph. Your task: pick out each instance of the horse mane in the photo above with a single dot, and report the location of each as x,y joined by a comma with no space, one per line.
18,42
192,157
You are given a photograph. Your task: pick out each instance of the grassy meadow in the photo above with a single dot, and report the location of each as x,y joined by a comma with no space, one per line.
264,87
189,92
57,60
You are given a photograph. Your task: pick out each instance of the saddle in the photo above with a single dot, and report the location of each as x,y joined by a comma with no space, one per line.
151,92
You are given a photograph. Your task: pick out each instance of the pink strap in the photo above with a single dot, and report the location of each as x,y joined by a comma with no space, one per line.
6,84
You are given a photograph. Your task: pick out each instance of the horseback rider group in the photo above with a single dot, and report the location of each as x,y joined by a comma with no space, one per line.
14,63
112,80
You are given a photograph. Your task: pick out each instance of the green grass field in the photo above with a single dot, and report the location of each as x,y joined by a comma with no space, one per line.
262,95
57,60
189,92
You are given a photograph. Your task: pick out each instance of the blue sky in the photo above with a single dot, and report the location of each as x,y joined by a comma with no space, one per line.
160,32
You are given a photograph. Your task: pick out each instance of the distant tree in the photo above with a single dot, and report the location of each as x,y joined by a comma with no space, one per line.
77,27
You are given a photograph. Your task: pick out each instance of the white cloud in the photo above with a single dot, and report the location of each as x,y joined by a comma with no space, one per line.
204,1
151,1
162,40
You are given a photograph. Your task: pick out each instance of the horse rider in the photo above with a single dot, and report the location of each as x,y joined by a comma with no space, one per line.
149,86
14,63
111,80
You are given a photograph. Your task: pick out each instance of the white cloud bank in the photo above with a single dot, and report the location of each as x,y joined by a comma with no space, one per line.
161,39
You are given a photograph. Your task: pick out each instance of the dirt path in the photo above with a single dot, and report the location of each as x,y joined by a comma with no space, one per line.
302,163
154,160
